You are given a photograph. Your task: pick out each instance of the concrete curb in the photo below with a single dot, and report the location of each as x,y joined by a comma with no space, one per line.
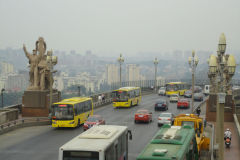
26,124
237,123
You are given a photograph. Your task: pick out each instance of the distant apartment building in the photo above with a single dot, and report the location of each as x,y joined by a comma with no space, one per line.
6,68
133,72
112,73
16,82
58,83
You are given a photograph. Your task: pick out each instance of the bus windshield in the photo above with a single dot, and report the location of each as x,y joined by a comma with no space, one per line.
120,96
80,155
62,112
171,87
188,123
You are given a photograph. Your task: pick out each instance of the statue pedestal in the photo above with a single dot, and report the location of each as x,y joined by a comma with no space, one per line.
211,105
36,103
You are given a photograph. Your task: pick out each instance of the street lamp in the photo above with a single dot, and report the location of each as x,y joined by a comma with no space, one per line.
221,70
2,95
193,62
155,62
120,60
51,61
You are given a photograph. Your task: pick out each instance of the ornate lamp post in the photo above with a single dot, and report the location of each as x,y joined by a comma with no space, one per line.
2,95
193,62
221,70
120,60
51,61
155,62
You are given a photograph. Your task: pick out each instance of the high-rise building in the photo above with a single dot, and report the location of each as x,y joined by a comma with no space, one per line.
112,73
133,72
16,82
6,68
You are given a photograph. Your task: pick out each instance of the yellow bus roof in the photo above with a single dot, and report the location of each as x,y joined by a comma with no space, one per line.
127,88
73,100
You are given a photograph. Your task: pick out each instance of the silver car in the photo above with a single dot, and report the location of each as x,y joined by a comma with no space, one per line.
162,91
165,118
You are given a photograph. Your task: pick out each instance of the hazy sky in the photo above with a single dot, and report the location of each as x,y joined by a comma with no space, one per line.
124,26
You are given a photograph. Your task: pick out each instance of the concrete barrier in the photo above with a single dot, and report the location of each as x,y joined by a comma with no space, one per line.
7,115
19,123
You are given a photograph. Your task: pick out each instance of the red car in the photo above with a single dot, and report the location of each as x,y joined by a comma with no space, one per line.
143,115
183,103
93,120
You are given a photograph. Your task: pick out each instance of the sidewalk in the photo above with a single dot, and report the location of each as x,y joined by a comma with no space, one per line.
232,153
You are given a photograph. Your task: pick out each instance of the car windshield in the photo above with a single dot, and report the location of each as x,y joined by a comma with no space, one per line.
142,112
162,88
188,92
197,94
161,102
62,112
174,95
92,119
165,115
183,100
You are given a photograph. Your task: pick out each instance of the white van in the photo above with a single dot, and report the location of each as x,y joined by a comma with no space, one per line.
207,89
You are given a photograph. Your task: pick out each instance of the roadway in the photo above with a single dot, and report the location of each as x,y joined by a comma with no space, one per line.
42,142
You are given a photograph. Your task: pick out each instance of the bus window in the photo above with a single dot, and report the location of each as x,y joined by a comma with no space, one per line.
80,155
63,111
119,96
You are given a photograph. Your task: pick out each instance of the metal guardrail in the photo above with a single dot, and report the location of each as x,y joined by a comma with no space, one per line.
200,105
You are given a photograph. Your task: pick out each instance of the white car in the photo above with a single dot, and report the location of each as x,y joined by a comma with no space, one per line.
165,118
162,91
174,98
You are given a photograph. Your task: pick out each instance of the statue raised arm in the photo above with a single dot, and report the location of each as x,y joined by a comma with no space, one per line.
33,73
26,52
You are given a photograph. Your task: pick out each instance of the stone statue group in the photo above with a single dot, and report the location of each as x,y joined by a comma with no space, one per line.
39,74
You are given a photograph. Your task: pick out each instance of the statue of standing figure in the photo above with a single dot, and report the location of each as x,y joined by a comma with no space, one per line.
39,74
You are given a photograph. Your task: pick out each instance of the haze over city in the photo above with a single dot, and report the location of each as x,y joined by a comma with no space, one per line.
88,37
108,28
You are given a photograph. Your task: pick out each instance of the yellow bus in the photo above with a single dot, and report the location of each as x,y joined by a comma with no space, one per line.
71,112
126,96
176,88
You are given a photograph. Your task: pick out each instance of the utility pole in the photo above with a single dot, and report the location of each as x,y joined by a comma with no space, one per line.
120,60
155,62
2,96
193,62
79,87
